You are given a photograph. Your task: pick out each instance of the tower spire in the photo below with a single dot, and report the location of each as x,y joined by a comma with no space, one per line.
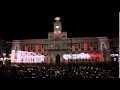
57,25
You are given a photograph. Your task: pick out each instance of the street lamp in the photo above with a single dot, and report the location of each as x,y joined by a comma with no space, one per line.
4,54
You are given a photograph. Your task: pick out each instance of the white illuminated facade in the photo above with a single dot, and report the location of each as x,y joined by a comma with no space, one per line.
26,57
58,43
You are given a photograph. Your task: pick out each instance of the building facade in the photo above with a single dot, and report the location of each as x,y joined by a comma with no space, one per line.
57,45
114,49
114,45
5,48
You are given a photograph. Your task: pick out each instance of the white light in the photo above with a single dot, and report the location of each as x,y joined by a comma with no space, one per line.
113,55
76,56
57,27
26,57
4,54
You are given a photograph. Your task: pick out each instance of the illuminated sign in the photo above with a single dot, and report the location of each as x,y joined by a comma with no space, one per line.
82,56
115,55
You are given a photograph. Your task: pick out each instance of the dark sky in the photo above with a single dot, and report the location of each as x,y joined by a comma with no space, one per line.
34,22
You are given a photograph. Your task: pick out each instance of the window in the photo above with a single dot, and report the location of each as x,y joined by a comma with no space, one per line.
63,36
34,47
45,47
82,46
69,45
39,59
88,45
51,36
22,48
63,45
94,46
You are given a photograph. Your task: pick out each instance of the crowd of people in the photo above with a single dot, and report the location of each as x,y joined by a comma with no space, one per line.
43,71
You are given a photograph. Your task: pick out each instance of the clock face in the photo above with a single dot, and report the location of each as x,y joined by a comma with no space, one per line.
57,27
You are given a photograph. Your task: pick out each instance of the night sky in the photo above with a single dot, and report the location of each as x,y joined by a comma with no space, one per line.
34,22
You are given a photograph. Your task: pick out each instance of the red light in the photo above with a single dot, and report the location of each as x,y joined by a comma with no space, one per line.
37,47
91,48
42,49
73,47
85,46
26,48
95,55
57,32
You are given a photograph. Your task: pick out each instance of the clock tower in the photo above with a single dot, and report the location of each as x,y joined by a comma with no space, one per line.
57,26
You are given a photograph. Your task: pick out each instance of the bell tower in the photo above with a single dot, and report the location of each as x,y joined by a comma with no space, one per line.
57,26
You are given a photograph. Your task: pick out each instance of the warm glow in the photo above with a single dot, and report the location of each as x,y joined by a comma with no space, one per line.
57,27
57,32
57,18
10,55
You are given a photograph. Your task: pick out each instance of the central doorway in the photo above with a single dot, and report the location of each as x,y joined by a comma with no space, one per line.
57,59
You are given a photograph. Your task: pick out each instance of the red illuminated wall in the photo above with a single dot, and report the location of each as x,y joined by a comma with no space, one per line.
96,55
42,48
73,47
26,48
85,46
37,47
57,32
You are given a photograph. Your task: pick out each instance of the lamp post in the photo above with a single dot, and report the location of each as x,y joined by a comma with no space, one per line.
71,54
4,54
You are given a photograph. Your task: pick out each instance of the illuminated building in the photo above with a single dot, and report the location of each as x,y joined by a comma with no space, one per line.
57,46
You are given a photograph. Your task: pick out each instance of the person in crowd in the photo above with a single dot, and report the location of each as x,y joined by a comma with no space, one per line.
79,71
